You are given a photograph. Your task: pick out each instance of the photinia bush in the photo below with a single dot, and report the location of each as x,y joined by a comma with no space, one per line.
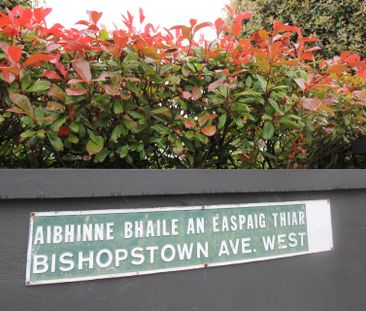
145,97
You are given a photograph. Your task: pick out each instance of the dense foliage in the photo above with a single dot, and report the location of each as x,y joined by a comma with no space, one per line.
339,24
141,97
10,4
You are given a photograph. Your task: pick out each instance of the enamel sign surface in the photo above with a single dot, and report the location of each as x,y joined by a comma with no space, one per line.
99,244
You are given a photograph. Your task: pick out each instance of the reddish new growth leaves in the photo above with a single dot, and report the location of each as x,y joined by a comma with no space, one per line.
148,96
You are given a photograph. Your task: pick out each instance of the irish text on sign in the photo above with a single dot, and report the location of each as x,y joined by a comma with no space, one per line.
75,246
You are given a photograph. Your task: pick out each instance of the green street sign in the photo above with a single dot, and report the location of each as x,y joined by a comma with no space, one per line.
88,245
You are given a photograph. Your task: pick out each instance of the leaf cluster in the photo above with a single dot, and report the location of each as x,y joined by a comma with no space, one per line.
10,4
143,97
339,24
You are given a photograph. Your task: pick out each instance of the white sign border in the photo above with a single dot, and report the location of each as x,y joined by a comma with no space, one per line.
318,219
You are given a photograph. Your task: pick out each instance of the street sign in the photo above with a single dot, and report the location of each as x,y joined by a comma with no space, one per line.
99,244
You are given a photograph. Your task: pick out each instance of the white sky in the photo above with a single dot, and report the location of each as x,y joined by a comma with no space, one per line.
159,12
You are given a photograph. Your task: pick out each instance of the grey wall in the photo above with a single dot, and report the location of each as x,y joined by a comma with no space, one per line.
334,281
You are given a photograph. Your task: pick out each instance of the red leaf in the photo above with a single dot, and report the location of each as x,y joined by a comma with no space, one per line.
104,75
52,47
72,112
8,76
189,124
128,21
112,90
51,75
64,131
40,14
142,16
62,70
83,22
329,129
93,28
279,27
54,106
209,130
186,95
345,54
353,58
238,22
244,15
75,81
316,48
15,110
301,83
214,85
4,20
192,22
82,68
196,92
236,28
230,10
56,92
14,53
307,56
95,16
312,104
36,60
76,92
209,117
202,25
219,25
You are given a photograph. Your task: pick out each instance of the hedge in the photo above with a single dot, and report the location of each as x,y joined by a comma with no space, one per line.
10,4
339,24
143,97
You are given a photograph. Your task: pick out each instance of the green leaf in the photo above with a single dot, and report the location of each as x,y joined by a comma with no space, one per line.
275,106
27,134
100,157
222,121
75,127
238,121
123,151
23,103
55,141
26,81
130,124
161,110
118,107
268,130
73,139
288,123
133,88
186,71
249,82
161,129
248,93
239,107
202,138
58,123
103,35
189,134
119,130
41,134
191,67
136,115
156,79
2,119
95,144
39,86
262,82
130,61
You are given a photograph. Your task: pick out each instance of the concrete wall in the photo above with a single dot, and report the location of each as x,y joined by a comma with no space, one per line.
334,281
